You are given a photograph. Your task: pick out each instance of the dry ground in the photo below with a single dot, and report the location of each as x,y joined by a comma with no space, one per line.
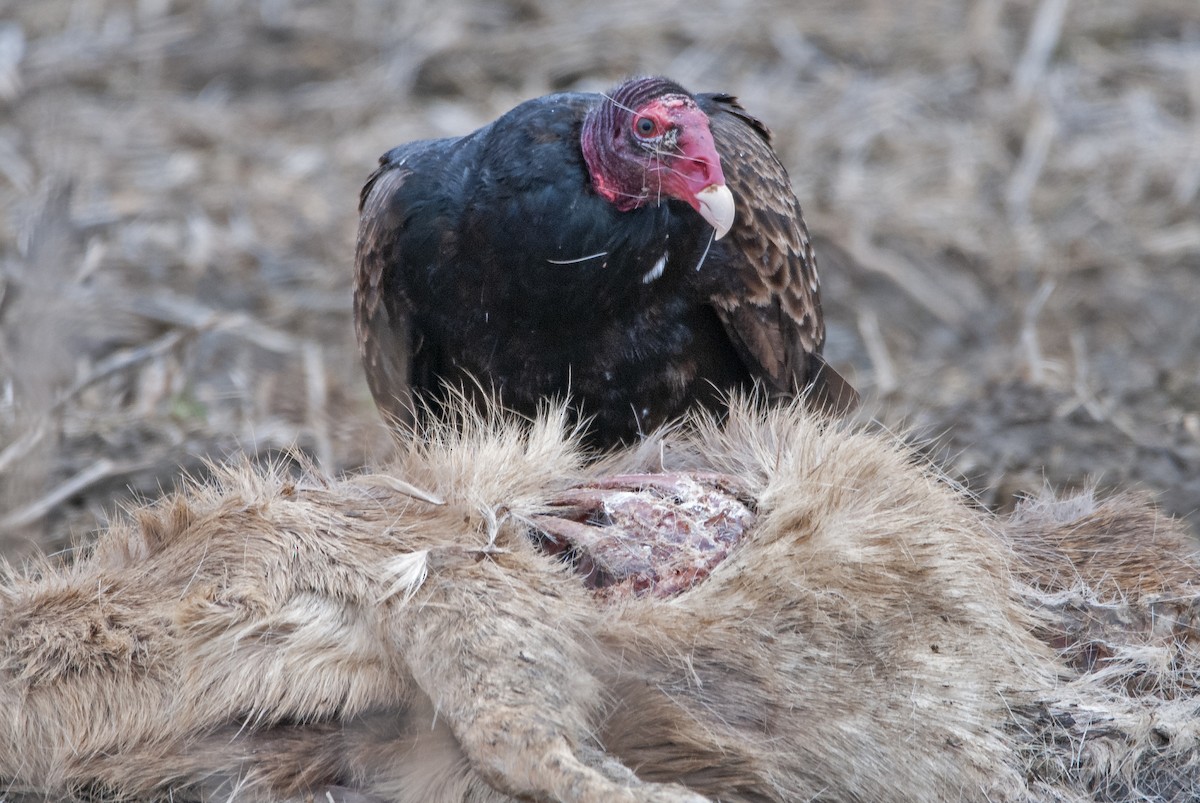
1007,191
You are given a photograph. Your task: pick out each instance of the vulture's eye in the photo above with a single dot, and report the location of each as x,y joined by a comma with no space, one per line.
645,127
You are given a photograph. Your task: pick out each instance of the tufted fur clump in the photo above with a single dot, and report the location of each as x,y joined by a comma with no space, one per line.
402,636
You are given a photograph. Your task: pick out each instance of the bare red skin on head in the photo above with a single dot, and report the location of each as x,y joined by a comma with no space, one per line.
682,160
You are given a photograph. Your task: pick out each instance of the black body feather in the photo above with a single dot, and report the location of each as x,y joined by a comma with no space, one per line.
488,262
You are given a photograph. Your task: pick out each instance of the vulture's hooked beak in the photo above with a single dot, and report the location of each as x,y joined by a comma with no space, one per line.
716,206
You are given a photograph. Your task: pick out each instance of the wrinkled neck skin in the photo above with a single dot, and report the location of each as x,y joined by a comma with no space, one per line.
616,177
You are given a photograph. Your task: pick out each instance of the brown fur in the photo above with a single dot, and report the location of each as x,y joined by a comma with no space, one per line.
276,637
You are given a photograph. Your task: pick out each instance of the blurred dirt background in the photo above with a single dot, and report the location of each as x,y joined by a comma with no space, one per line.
1007,194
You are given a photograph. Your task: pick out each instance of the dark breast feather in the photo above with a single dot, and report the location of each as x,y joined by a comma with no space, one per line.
438,218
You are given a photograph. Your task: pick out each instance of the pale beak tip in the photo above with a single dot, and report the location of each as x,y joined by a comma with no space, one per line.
717,207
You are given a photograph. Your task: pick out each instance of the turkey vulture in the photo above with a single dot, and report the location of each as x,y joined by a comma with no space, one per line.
639,251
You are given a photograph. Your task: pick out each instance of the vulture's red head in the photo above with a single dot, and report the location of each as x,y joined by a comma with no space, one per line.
649,141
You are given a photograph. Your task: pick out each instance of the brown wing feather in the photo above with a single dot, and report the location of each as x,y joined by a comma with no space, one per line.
381,319
772,311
